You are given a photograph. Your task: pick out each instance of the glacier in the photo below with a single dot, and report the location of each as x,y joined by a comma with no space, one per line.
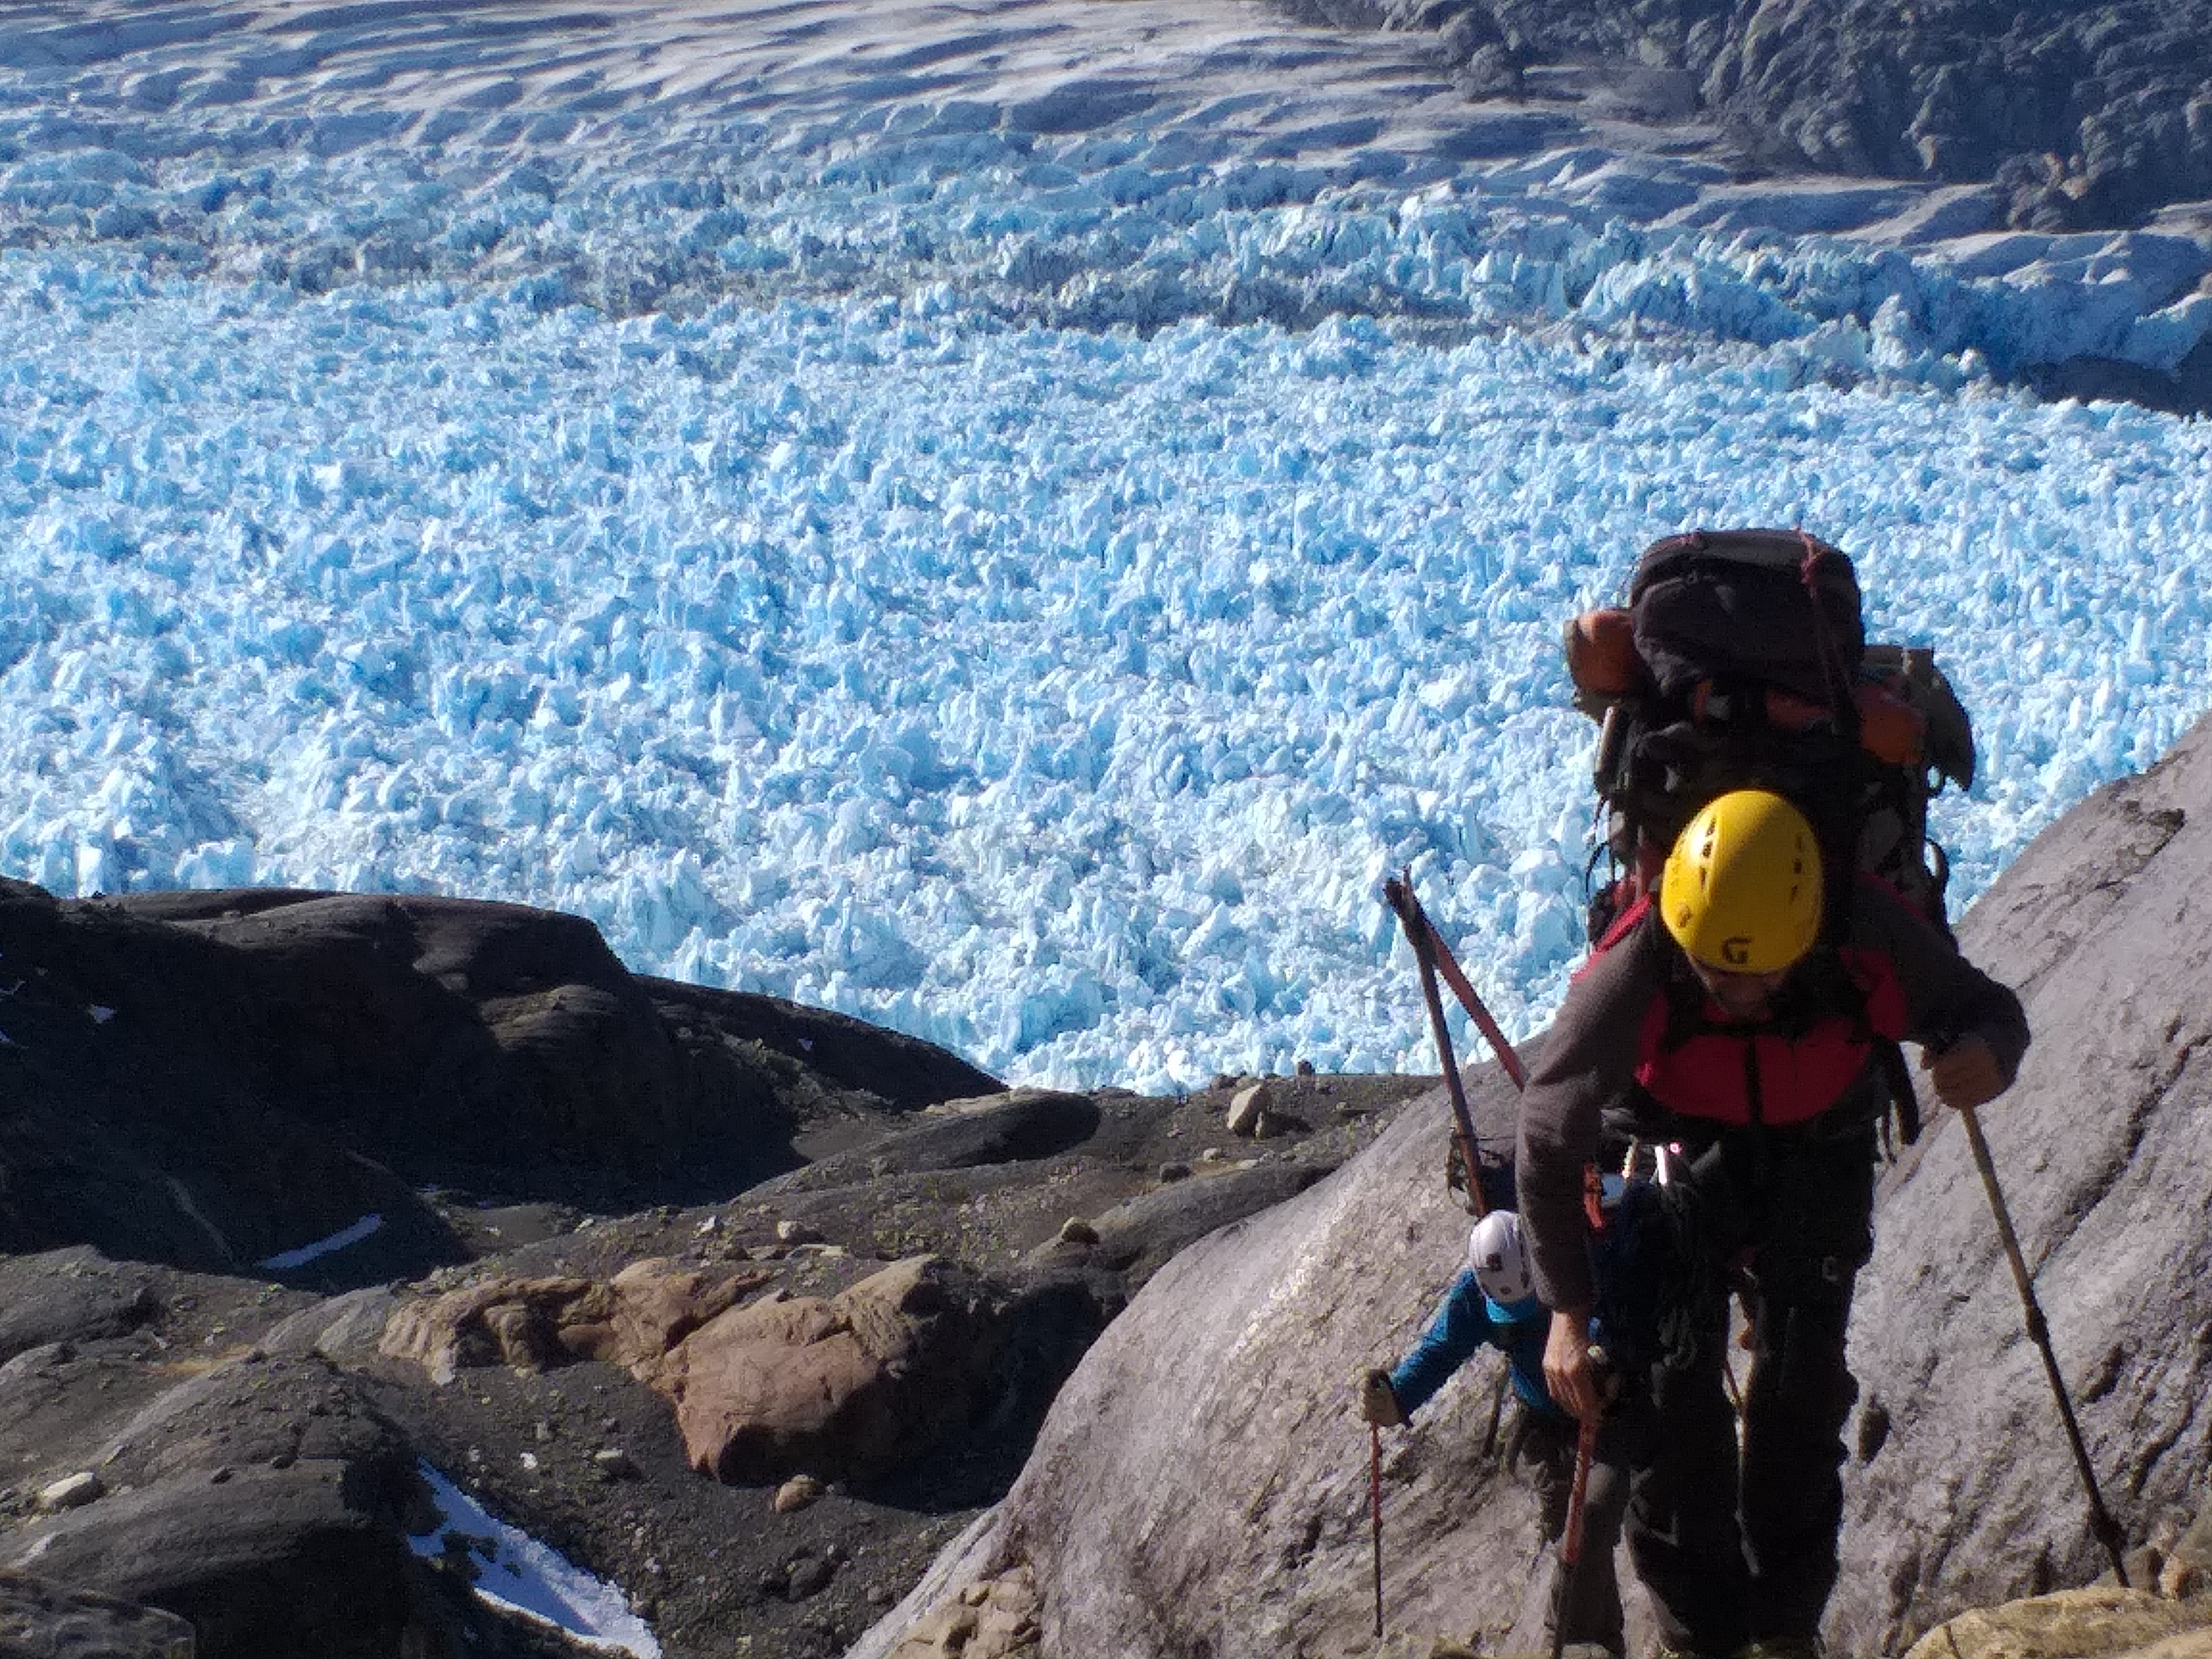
1023,573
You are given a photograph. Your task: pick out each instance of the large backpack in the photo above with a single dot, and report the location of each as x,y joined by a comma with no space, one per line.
1741,660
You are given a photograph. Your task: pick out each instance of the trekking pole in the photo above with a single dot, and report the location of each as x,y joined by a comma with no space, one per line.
1570,1541
2101,1524
1418,935
1375,1503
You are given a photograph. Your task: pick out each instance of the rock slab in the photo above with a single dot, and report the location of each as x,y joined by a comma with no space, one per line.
43,1620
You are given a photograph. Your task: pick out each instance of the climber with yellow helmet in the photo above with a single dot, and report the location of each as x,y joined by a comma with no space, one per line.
1732,1018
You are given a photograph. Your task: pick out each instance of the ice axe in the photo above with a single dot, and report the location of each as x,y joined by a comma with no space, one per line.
2101,1524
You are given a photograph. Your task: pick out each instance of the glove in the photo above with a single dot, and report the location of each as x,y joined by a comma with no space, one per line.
1378,1404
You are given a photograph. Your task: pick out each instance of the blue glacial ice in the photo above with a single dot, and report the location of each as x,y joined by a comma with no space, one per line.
1025,588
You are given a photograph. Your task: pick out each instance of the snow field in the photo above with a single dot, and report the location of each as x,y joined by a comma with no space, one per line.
523,1575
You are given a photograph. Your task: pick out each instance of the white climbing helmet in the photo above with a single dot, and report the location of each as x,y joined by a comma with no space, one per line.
1498,1260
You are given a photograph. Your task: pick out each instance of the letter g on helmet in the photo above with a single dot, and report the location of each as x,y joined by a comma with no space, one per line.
1741,889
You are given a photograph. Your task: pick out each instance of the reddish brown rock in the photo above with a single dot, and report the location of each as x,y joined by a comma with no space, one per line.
532,1324
841,1387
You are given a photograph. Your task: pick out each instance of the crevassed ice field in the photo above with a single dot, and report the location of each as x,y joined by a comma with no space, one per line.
1023,588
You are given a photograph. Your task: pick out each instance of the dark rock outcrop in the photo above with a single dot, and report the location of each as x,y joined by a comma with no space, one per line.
1212,1421
1014,1127
269,1562
42,1620
70,1297
213,1079
1135,1238
265,1501
2087,116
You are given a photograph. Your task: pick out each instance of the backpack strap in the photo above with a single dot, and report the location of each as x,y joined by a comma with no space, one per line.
1904,1096
1841,861
1842,695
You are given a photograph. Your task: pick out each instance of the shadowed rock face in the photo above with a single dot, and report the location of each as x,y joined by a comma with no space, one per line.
214,1078
264,1500
41,1621
2088,115
1212,1423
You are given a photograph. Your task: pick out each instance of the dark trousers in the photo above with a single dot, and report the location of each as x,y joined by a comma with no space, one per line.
1735,1548
1582,1605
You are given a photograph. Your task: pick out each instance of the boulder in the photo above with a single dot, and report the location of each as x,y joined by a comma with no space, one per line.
344,1329
844,1388
268,1563
797,1493
71,1491
1248,1110
532,1324
39,1619
2102,1622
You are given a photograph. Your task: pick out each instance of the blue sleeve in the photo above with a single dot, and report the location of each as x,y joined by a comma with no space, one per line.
1522,1335
1460,1326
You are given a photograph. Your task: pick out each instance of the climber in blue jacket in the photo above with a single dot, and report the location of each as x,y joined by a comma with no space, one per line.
1493,1304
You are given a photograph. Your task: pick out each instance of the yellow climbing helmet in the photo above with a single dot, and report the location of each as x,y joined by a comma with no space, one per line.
1741,889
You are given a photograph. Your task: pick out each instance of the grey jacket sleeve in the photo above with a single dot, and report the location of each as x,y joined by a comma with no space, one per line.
1945,996
1588,1063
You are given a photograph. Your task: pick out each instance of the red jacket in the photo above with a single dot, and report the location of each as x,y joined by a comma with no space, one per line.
1615,1048
1715,1072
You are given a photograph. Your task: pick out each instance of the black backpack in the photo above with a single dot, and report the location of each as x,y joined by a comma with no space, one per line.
1740,662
